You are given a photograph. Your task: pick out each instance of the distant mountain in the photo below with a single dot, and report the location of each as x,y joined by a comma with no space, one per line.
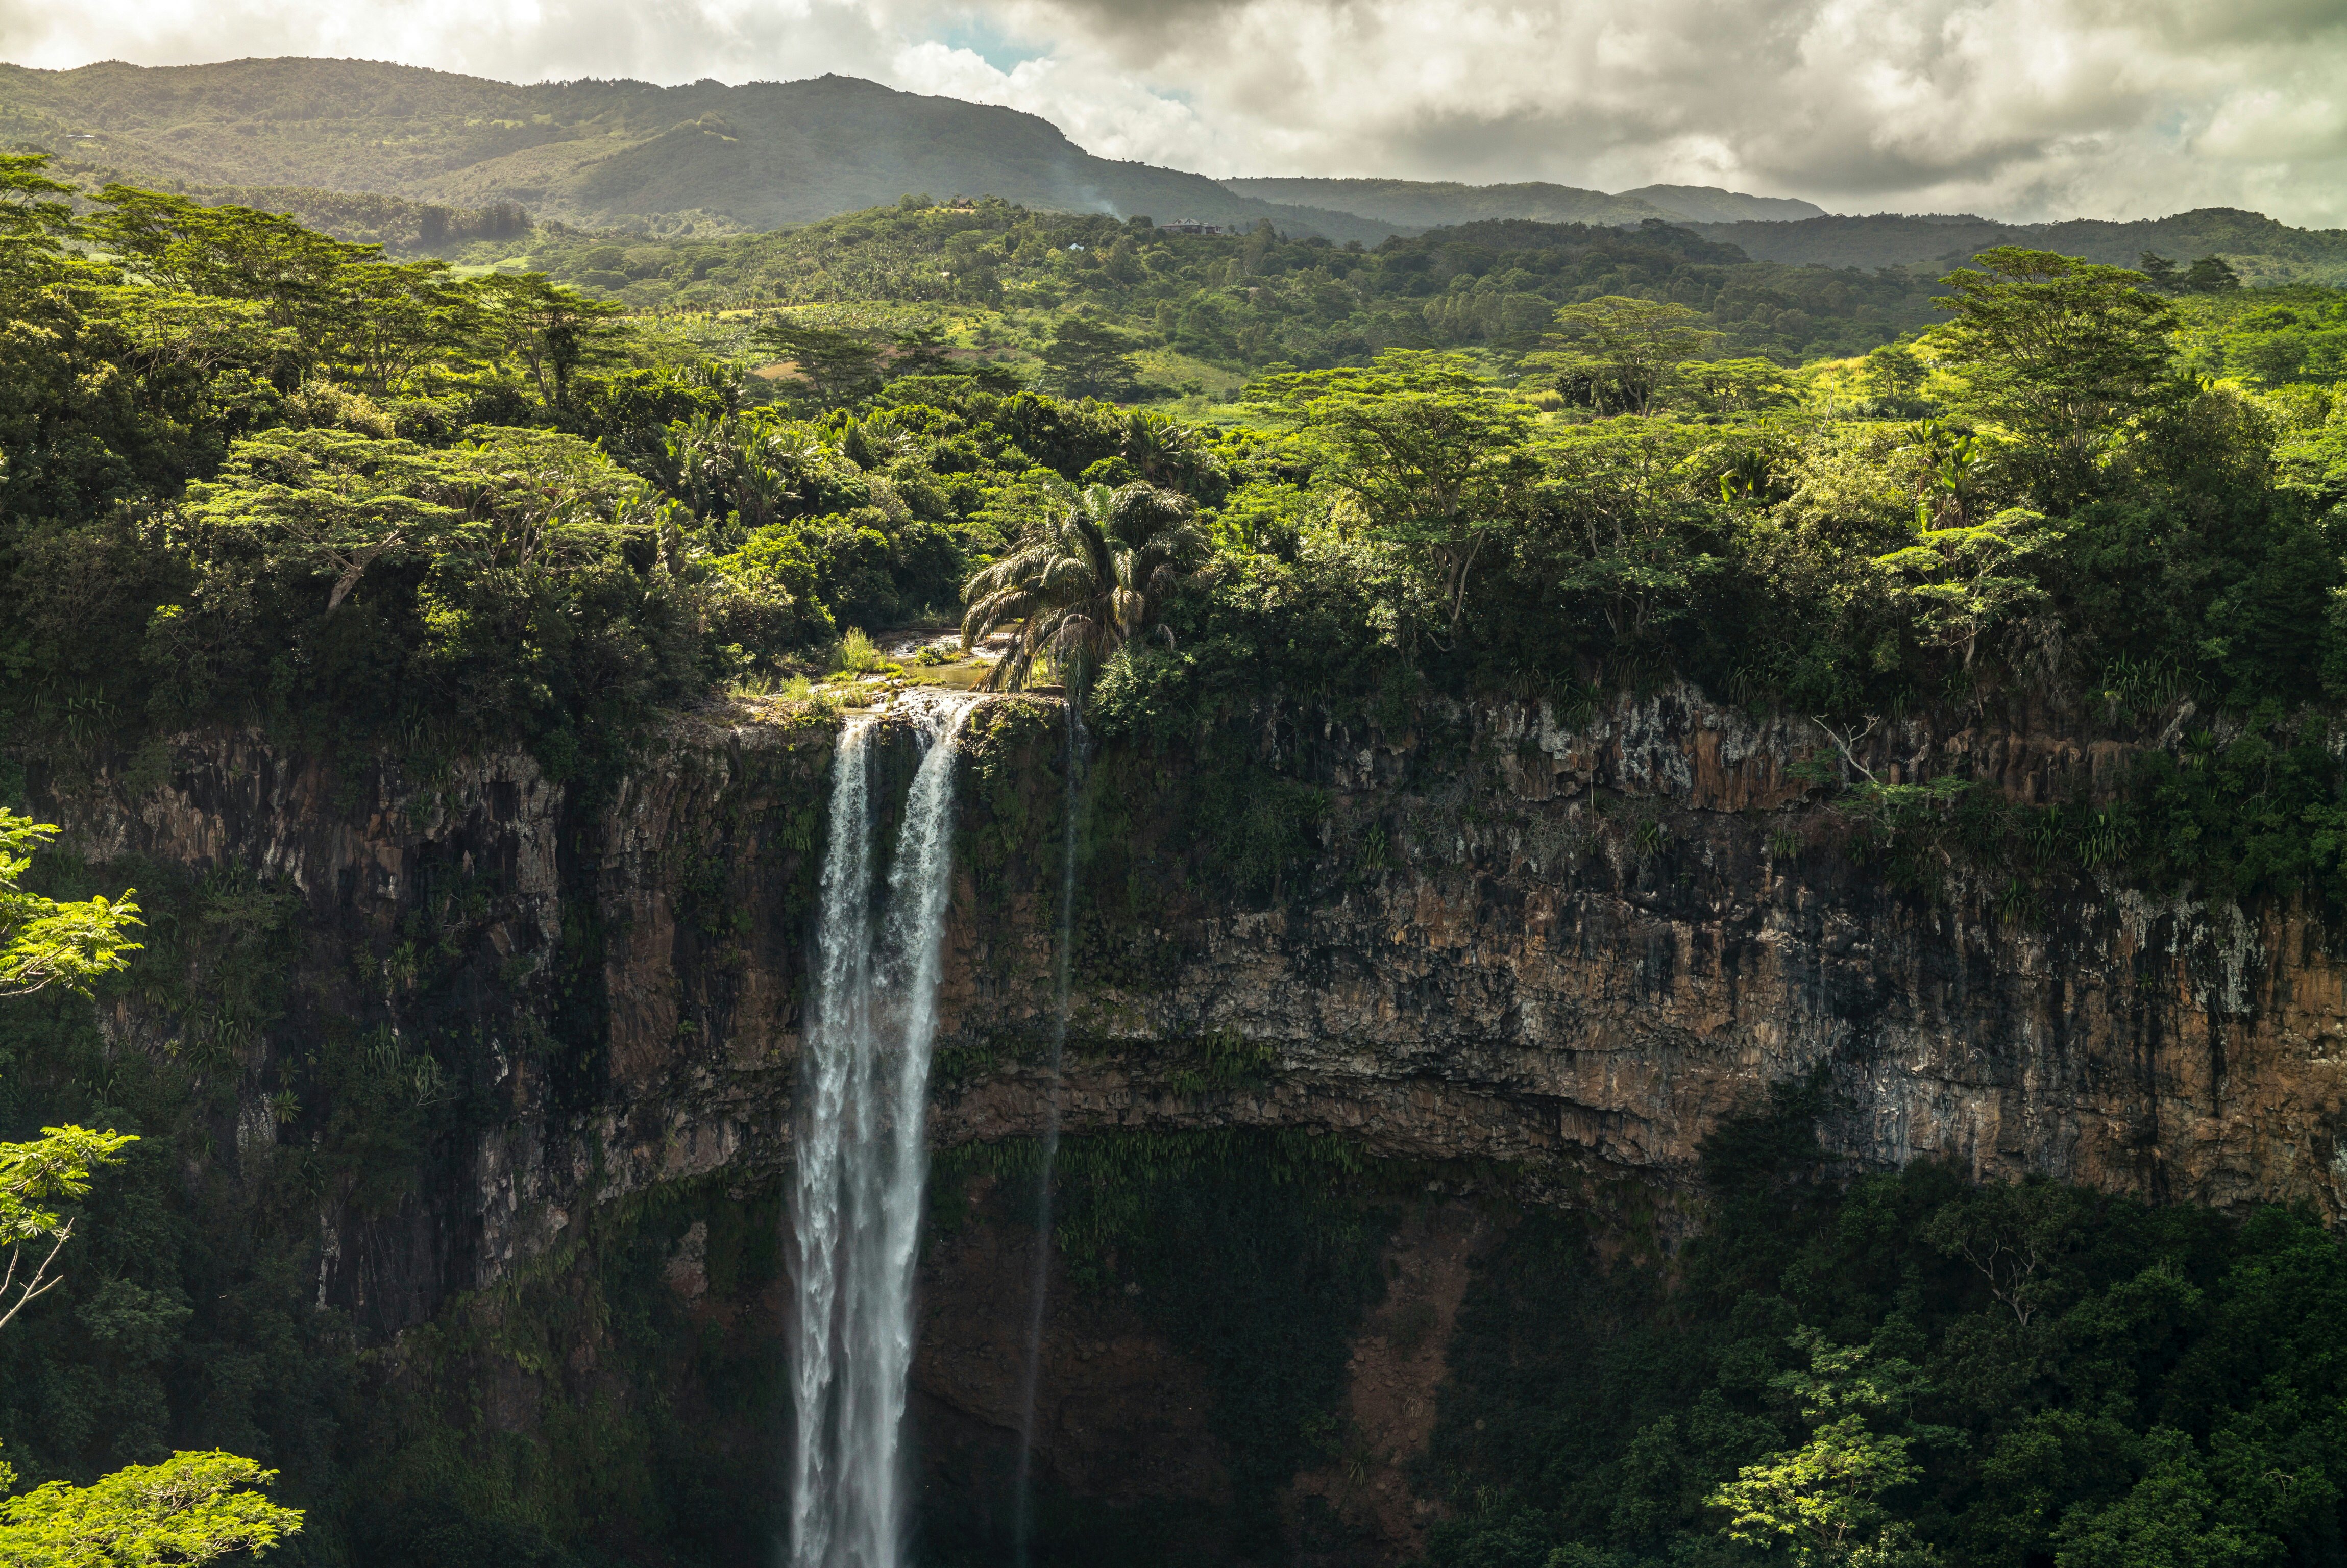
603,154
1709,204
1427,203
2260,249
1430,203
427,159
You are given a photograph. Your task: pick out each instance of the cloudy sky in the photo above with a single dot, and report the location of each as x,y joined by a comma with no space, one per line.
2016,108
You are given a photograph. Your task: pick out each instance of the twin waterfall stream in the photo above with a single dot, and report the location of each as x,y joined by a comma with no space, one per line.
862,1160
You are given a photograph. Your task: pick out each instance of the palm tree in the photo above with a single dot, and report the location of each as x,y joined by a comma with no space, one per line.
1093,578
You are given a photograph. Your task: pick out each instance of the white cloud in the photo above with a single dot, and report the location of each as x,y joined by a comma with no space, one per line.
2015,107
514,40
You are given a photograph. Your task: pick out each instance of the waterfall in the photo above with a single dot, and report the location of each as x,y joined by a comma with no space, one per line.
1039,1285
862,1157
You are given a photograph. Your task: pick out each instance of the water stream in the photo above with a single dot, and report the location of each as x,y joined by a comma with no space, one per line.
862,1156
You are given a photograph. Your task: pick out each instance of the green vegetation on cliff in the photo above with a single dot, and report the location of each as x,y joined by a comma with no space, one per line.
1898,1369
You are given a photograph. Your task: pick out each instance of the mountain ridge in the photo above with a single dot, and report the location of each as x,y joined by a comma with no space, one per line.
343,140
760,156
1433,203
2262,249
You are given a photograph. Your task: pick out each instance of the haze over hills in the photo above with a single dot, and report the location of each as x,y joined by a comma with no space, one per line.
592,153
613,154
1427,204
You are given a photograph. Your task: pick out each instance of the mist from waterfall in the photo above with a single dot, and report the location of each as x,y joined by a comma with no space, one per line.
862,1155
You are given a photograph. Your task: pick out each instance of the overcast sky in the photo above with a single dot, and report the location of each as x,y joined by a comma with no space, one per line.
2015,108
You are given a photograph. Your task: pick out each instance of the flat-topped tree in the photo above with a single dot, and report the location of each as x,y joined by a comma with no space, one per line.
34,210
1425,450
1085,359
1625,351
837,367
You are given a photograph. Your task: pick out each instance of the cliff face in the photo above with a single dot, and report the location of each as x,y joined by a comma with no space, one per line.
1582,945
1571,950
1541,957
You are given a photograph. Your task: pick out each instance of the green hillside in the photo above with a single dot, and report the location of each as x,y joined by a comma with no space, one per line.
2260,249
1204,307
1709,204
605,154
1207,309
1425,204
343,143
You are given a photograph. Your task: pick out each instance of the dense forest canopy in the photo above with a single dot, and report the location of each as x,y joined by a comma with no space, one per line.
1206,308
254,470
1900,1370
256,476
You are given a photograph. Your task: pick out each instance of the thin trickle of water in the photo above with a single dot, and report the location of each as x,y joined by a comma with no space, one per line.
1039,1285
862,1156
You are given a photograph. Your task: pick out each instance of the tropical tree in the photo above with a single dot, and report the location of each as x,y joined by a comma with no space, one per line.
2015,1234
1423,450
731,463
1175,455
388,319
2179,1514
44,941
235,252
188,1510
2210,275
1960,582
35,211
1625,351
1631,528
1822,1500
2065,355
1736,385
33,1175
1085,359
1091,577
919,351
837,367
332,501
552,330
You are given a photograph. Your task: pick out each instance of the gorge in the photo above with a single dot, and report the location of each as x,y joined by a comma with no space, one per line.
1522,955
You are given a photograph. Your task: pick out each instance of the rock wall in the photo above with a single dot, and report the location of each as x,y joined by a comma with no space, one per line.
1570,947
1574,946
